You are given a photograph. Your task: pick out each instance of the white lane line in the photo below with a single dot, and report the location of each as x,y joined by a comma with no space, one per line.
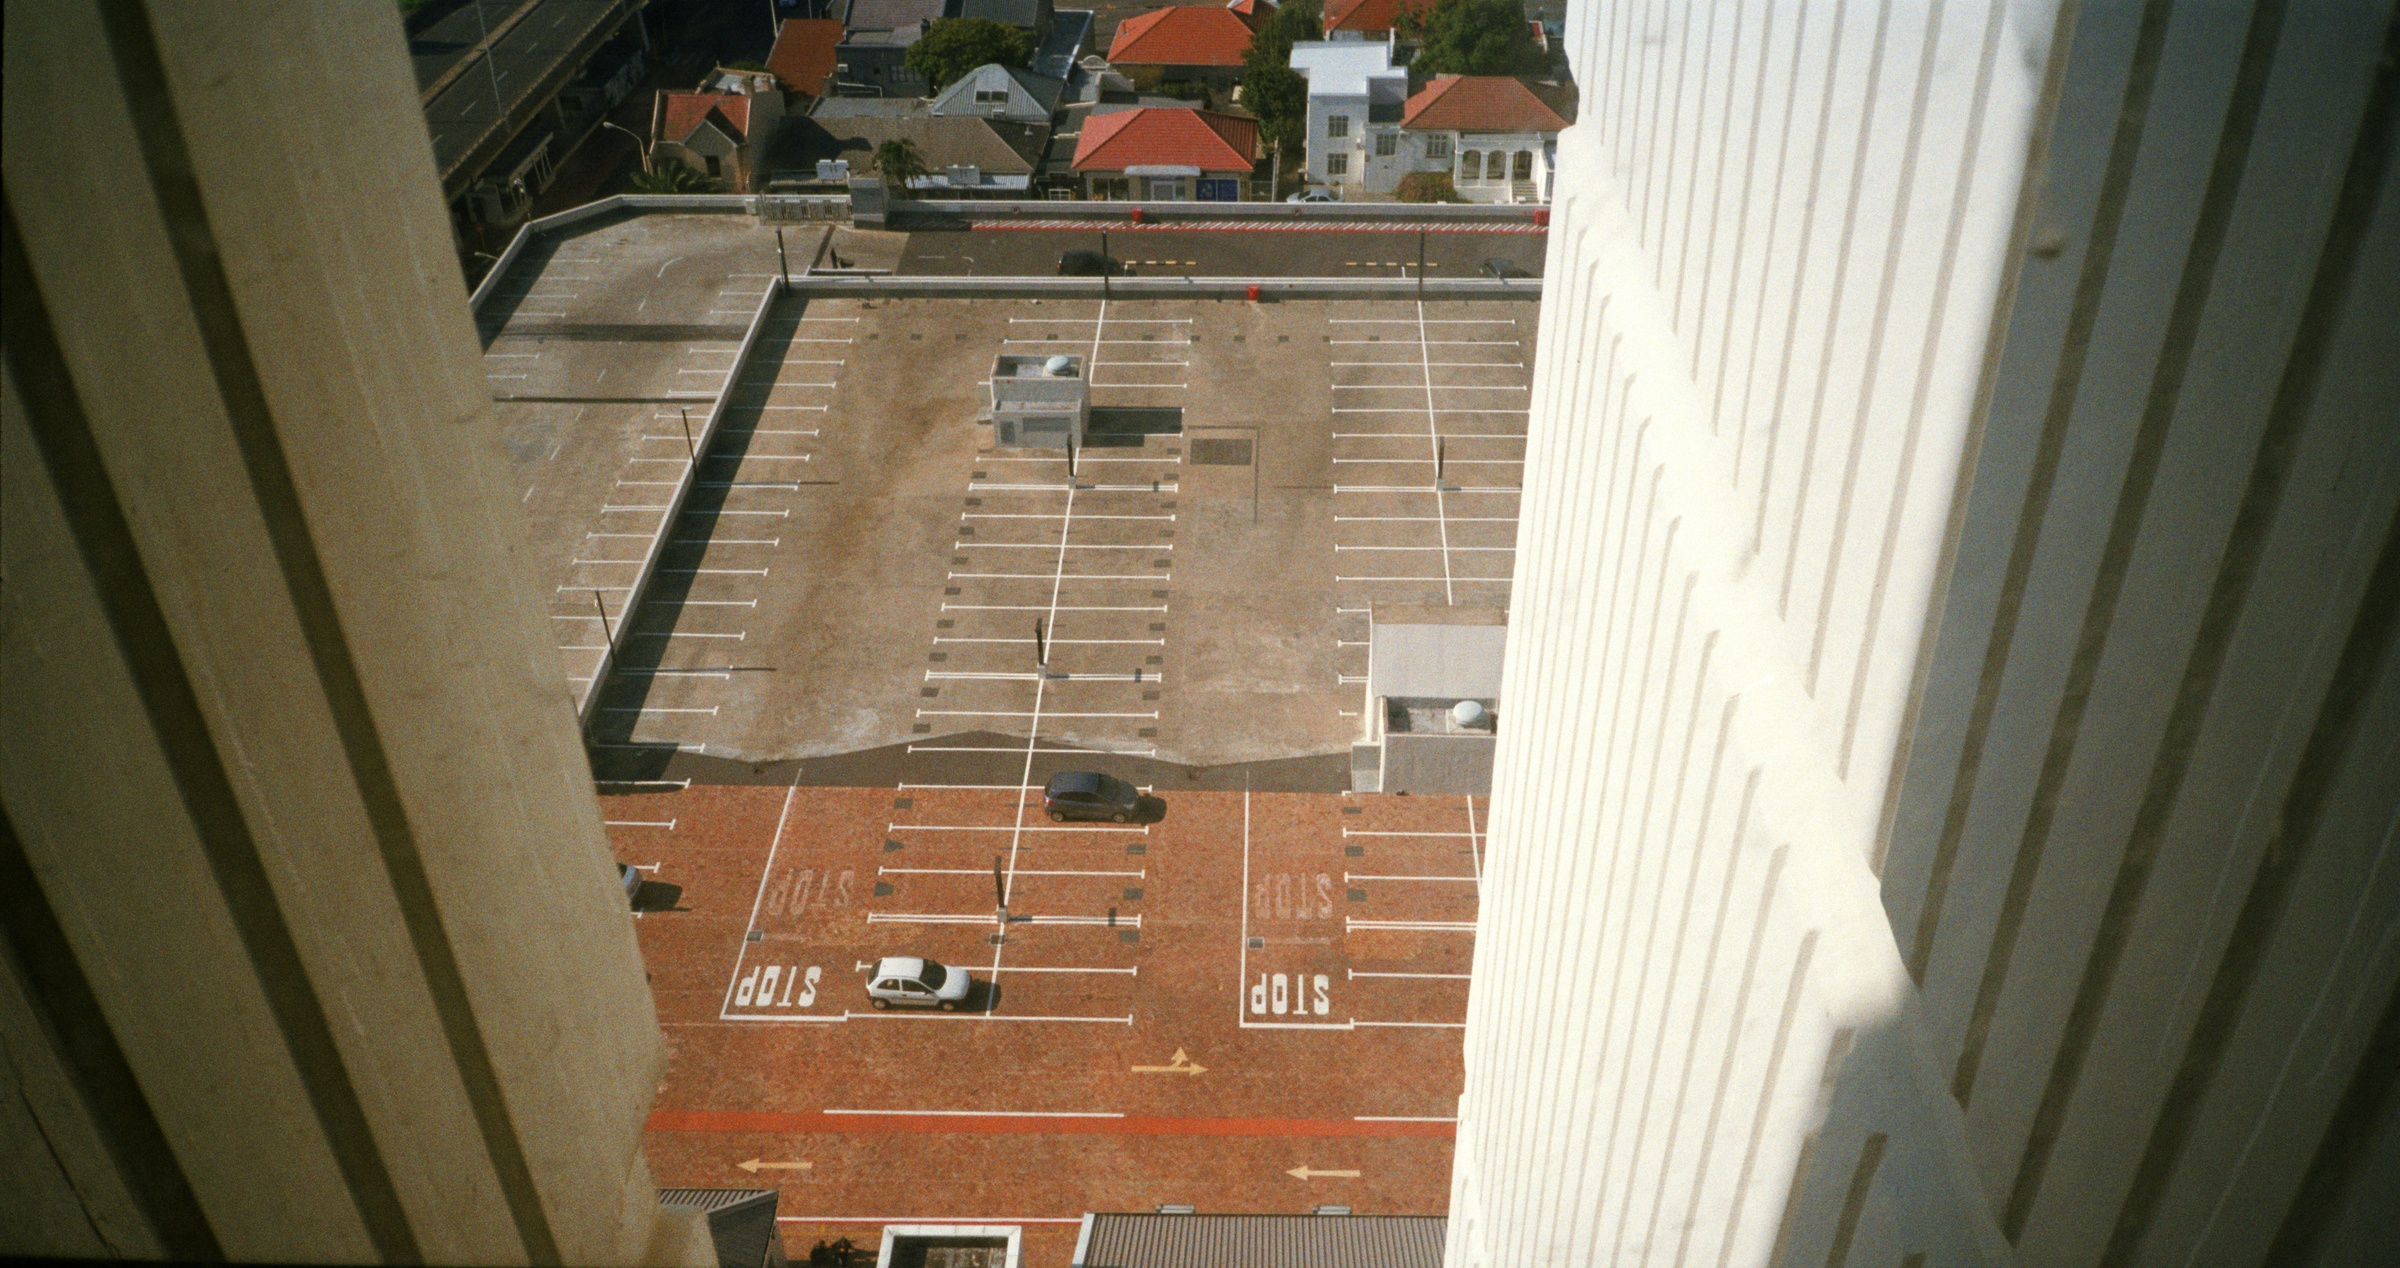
1475,845
978,871
1437,321
1059,642
1073,576
765,873
1419,488
896,1015
1413,1025
668,824
1423,519
1453,549
1443,977
1409,926
920,1113
1372,832
1019,713
938,918
1096,752
1018,828
1359,409
1041,515
1362,876
1049,546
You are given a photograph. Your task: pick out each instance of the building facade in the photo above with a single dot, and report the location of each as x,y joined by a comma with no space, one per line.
1355,98
1952,682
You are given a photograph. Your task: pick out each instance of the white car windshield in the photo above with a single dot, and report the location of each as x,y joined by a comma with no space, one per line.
933,976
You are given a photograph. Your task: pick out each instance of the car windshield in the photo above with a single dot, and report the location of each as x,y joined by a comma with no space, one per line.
1116,790
933,976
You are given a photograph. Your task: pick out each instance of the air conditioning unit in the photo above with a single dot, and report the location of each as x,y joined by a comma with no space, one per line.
965,175
833,169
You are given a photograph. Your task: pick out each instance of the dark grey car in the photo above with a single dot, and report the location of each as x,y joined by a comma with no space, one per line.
1083,794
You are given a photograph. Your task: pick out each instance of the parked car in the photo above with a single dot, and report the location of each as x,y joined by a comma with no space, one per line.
1505,270
1314,196
1088,264
629,879
1083,794
917,983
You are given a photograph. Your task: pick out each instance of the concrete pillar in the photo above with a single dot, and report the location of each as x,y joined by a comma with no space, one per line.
314,950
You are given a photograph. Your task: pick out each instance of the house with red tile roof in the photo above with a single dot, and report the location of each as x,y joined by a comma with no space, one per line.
1363,19
1203,43
721,135
803,58
1166,154
1495,136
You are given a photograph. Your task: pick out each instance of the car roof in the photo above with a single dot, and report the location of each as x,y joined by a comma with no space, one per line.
900,966
1074,781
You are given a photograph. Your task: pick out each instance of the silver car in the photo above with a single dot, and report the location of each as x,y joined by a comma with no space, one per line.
908,980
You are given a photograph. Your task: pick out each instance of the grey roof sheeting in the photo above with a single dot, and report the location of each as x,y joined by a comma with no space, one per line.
1254,1241
741,1222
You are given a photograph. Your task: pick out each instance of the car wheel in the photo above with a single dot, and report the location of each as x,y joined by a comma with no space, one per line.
1058,816
1119,816
881,1003
949,1006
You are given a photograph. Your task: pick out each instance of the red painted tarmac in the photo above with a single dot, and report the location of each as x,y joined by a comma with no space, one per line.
1282,997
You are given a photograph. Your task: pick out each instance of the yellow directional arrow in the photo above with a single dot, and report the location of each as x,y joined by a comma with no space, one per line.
1306,1173
1180,1065
754,1166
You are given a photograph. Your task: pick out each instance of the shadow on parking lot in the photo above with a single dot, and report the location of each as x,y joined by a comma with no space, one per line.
1125,427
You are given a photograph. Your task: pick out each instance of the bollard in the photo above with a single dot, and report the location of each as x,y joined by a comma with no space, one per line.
1541,217
1137,215
1253,288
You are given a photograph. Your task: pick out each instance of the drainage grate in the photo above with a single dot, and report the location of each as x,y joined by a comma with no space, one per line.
1221,452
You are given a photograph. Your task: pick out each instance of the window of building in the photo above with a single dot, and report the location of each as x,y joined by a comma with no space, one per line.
1470,165
1337,125
714,169
1495,165
991,96
1437,147
1524,166
1387,144
1337,165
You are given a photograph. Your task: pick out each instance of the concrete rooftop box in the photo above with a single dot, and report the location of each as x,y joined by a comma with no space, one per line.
1432,701
1040,402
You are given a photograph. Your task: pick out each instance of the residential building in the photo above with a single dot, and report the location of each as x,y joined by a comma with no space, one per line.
1191,43
964,156
721,135
1496,138
993,91
805,53
1355,103
871,60
1348,20
1031,15
1945,810
1166,154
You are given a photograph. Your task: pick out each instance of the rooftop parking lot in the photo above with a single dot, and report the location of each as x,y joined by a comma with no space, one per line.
826,738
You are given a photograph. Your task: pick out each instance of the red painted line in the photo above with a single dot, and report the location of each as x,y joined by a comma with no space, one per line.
1122,226
809,1122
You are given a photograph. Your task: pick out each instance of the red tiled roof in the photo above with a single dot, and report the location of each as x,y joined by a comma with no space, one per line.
1165,136
804,55
1373,17
1479,103
681,114
1186,35
1253,13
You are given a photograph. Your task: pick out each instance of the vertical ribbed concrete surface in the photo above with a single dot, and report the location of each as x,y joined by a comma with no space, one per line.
1951,648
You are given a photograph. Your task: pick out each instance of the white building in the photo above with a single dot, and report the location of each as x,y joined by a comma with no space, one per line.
1952,686
1355,100
1496,138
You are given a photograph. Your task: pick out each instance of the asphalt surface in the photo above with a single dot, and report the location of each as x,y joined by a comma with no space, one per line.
516,65
990,251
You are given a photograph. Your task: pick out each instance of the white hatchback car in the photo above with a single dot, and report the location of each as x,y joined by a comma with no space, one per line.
906,979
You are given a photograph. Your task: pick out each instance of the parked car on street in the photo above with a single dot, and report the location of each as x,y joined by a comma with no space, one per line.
1314,196
1083,794
917,983
1504,269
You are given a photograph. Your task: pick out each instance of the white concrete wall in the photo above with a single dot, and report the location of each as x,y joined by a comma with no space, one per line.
1934,589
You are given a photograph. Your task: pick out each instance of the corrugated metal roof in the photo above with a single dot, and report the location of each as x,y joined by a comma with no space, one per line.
1255,1241
741,1222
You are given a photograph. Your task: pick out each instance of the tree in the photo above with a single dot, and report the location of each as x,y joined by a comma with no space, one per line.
670,177
1469,37
899,162
1271,89
1428,187
951,47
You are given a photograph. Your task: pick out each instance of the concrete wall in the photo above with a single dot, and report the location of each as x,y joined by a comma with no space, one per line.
313,950
1951,668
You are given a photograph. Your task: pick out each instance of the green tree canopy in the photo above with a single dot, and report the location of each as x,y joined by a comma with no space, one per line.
1271,89
951,47
1469,37
899,162
670,177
